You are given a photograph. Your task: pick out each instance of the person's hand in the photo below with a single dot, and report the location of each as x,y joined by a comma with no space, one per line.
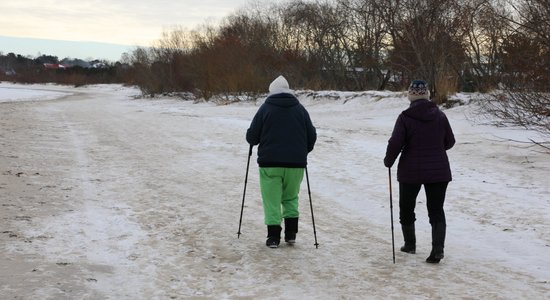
387,163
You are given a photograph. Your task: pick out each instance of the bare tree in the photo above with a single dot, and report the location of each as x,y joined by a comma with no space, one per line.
532,16
527,48
234,59
426,41
524,97
363,33
526,108
309,27
356,44
486,31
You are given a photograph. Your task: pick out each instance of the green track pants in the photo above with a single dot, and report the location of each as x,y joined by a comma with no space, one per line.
280,188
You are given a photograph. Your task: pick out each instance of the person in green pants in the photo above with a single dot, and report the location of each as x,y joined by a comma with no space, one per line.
285,135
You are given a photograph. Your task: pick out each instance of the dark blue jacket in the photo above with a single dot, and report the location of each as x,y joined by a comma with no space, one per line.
422,134
283,129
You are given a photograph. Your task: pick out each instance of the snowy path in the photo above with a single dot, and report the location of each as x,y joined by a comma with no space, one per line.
105,197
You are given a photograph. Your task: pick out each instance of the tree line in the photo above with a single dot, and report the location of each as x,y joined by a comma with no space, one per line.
49,68
456,45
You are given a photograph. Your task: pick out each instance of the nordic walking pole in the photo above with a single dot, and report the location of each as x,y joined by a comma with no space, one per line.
391,215
244,192
311,206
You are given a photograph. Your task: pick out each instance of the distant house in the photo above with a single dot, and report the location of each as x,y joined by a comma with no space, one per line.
69,63
99,65
54,66
10,72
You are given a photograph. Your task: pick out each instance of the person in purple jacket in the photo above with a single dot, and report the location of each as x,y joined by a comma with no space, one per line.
422,134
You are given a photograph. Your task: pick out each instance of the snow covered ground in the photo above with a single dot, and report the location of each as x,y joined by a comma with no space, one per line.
104,196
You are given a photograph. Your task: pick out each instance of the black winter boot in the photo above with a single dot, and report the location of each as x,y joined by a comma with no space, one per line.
410,239
273,236
291,228
438,243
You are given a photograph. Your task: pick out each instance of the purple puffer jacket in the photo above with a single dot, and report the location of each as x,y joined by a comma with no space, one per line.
422,134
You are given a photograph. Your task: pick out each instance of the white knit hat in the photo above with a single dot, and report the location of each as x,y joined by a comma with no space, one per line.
279,85
418,90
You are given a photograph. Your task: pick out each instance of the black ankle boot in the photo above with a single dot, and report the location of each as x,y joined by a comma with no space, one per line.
435,256
410,239
273,236
291,228
438,243
408,249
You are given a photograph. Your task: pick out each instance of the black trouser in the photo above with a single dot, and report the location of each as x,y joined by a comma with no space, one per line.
435,195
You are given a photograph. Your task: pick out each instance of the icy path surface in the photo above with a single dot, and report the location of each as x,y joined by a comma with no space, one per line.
107,197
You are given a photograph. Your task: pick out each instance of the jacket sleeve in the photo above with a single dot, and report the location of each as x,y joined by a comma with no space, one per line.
254,131
311,132
449,136
396,142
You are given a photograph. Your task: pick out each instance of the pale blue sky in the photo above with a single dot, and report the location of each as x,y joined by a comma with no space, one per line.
83,50
110,22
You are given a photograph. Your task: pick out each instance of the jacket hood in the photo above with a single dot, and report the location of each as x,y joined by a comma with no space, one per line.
422,110
282,100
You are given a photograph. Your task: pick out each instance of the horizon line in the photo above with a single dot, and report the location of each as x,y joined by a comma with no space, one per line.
63,48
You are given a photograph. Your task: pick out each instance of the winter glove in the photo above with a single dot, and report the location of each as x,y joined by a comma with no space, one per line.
387,163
